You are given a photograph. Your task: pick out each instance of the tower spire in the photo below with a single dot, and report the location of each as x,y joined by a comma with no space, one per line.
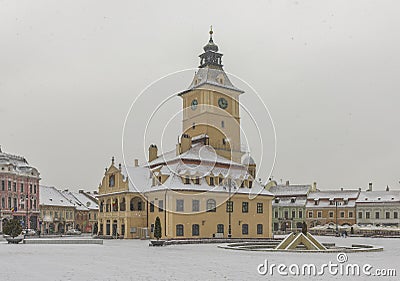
211,57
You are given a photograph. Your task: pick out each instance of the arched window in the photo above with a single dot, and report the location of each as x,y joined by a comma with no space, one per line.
108,205
136,204
115,205
132,204
211,205
111,181
122,205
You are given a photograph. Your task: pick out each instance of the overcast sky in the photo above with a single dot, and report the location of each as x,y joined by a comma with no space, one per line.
327,70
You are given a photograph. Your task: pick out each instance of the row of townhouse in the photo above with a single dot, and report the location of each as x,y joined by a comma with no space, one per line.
64,210
294,204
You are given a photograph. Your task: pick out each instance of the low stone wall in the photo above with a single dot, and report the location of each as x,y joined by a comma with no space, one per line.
64,241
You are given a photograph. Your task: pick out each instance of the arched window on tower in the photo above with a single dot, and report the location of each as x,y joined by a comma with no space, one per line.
111,181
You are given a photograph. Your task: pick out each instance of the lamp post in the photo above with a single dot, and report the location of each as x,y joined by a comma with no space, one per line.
230,209
337,227
27,215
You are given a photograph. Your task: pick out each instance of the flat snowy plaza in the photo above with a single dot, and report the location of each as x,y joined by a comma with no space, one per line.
135,260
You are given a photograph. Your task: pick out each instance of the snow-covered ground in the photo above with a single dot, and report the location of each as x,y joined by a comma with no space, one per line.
135,260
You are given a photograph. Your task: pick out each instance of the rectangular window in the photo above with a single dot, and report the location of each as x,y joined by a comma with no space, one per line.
293,214
22,187
276,214
229,206
342,214
286,214
197,180
350,214
151,206
300,214
179,205
212,181
160,205
195,205
30,188
34,189
152,228
9,202
360,215
187,180
3,202
377,215
331,214
387,215
259,229
310,214
395,215
250,184
179,229
195,230
220,181
245,207
260,208
245,229
367,215
15,186
9,185
3,183
319,214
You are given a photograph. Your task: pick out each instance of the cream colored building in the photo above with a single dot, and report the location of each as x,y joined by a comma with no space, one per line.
203,188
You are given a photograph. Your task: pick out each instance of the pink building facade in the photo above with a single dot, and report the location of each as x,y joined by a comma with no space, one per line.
19,190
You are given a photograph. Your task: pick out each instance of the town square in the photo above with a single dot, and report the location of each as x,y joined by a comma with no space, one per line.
197,145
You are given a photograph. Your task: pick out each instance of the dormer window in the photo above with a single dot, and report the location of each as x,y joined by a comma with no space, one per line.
212,181
345,201
379,198
111,181
187,180
197,180
293,199
277,200
316,201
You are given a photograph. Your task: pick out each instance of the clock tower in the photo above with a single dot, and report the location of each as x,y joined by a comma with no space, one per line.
211,106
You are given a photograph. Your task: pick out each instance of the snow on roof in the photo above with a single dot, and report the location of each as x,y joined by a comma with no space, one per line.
19,164
199,152
140,179
211,76
287,202
336,194
379,197
73,200
290,190
50,196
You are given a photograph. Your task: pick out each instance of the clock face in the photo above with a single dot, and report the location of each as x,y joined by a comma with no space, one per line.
223,103
194,104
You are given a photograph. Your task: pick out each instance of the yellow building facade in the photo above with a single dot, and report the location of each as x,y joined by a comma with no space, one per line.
203,188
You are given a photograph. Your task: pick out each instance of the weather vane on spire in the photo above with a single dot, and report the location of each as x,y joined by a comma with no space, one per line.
211,32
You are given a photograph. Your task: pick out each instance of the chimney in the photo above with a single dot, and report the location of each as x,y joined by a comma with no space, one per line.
370,186
287,183
186,143
387,188
341,189
314,186
136,162
153,150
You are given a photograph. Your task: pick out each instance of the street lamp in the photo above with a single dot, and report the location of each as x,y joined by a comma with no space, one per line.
337,227
27,215
230,209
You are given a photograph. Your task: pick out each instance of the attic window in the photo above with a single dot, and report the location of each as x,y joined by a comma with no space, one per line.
276,200
379,198
187,180
293,199
51,199
315,201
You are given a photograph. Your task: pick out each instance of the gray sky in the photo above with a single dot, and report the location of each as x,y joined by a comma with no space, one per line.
327,70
